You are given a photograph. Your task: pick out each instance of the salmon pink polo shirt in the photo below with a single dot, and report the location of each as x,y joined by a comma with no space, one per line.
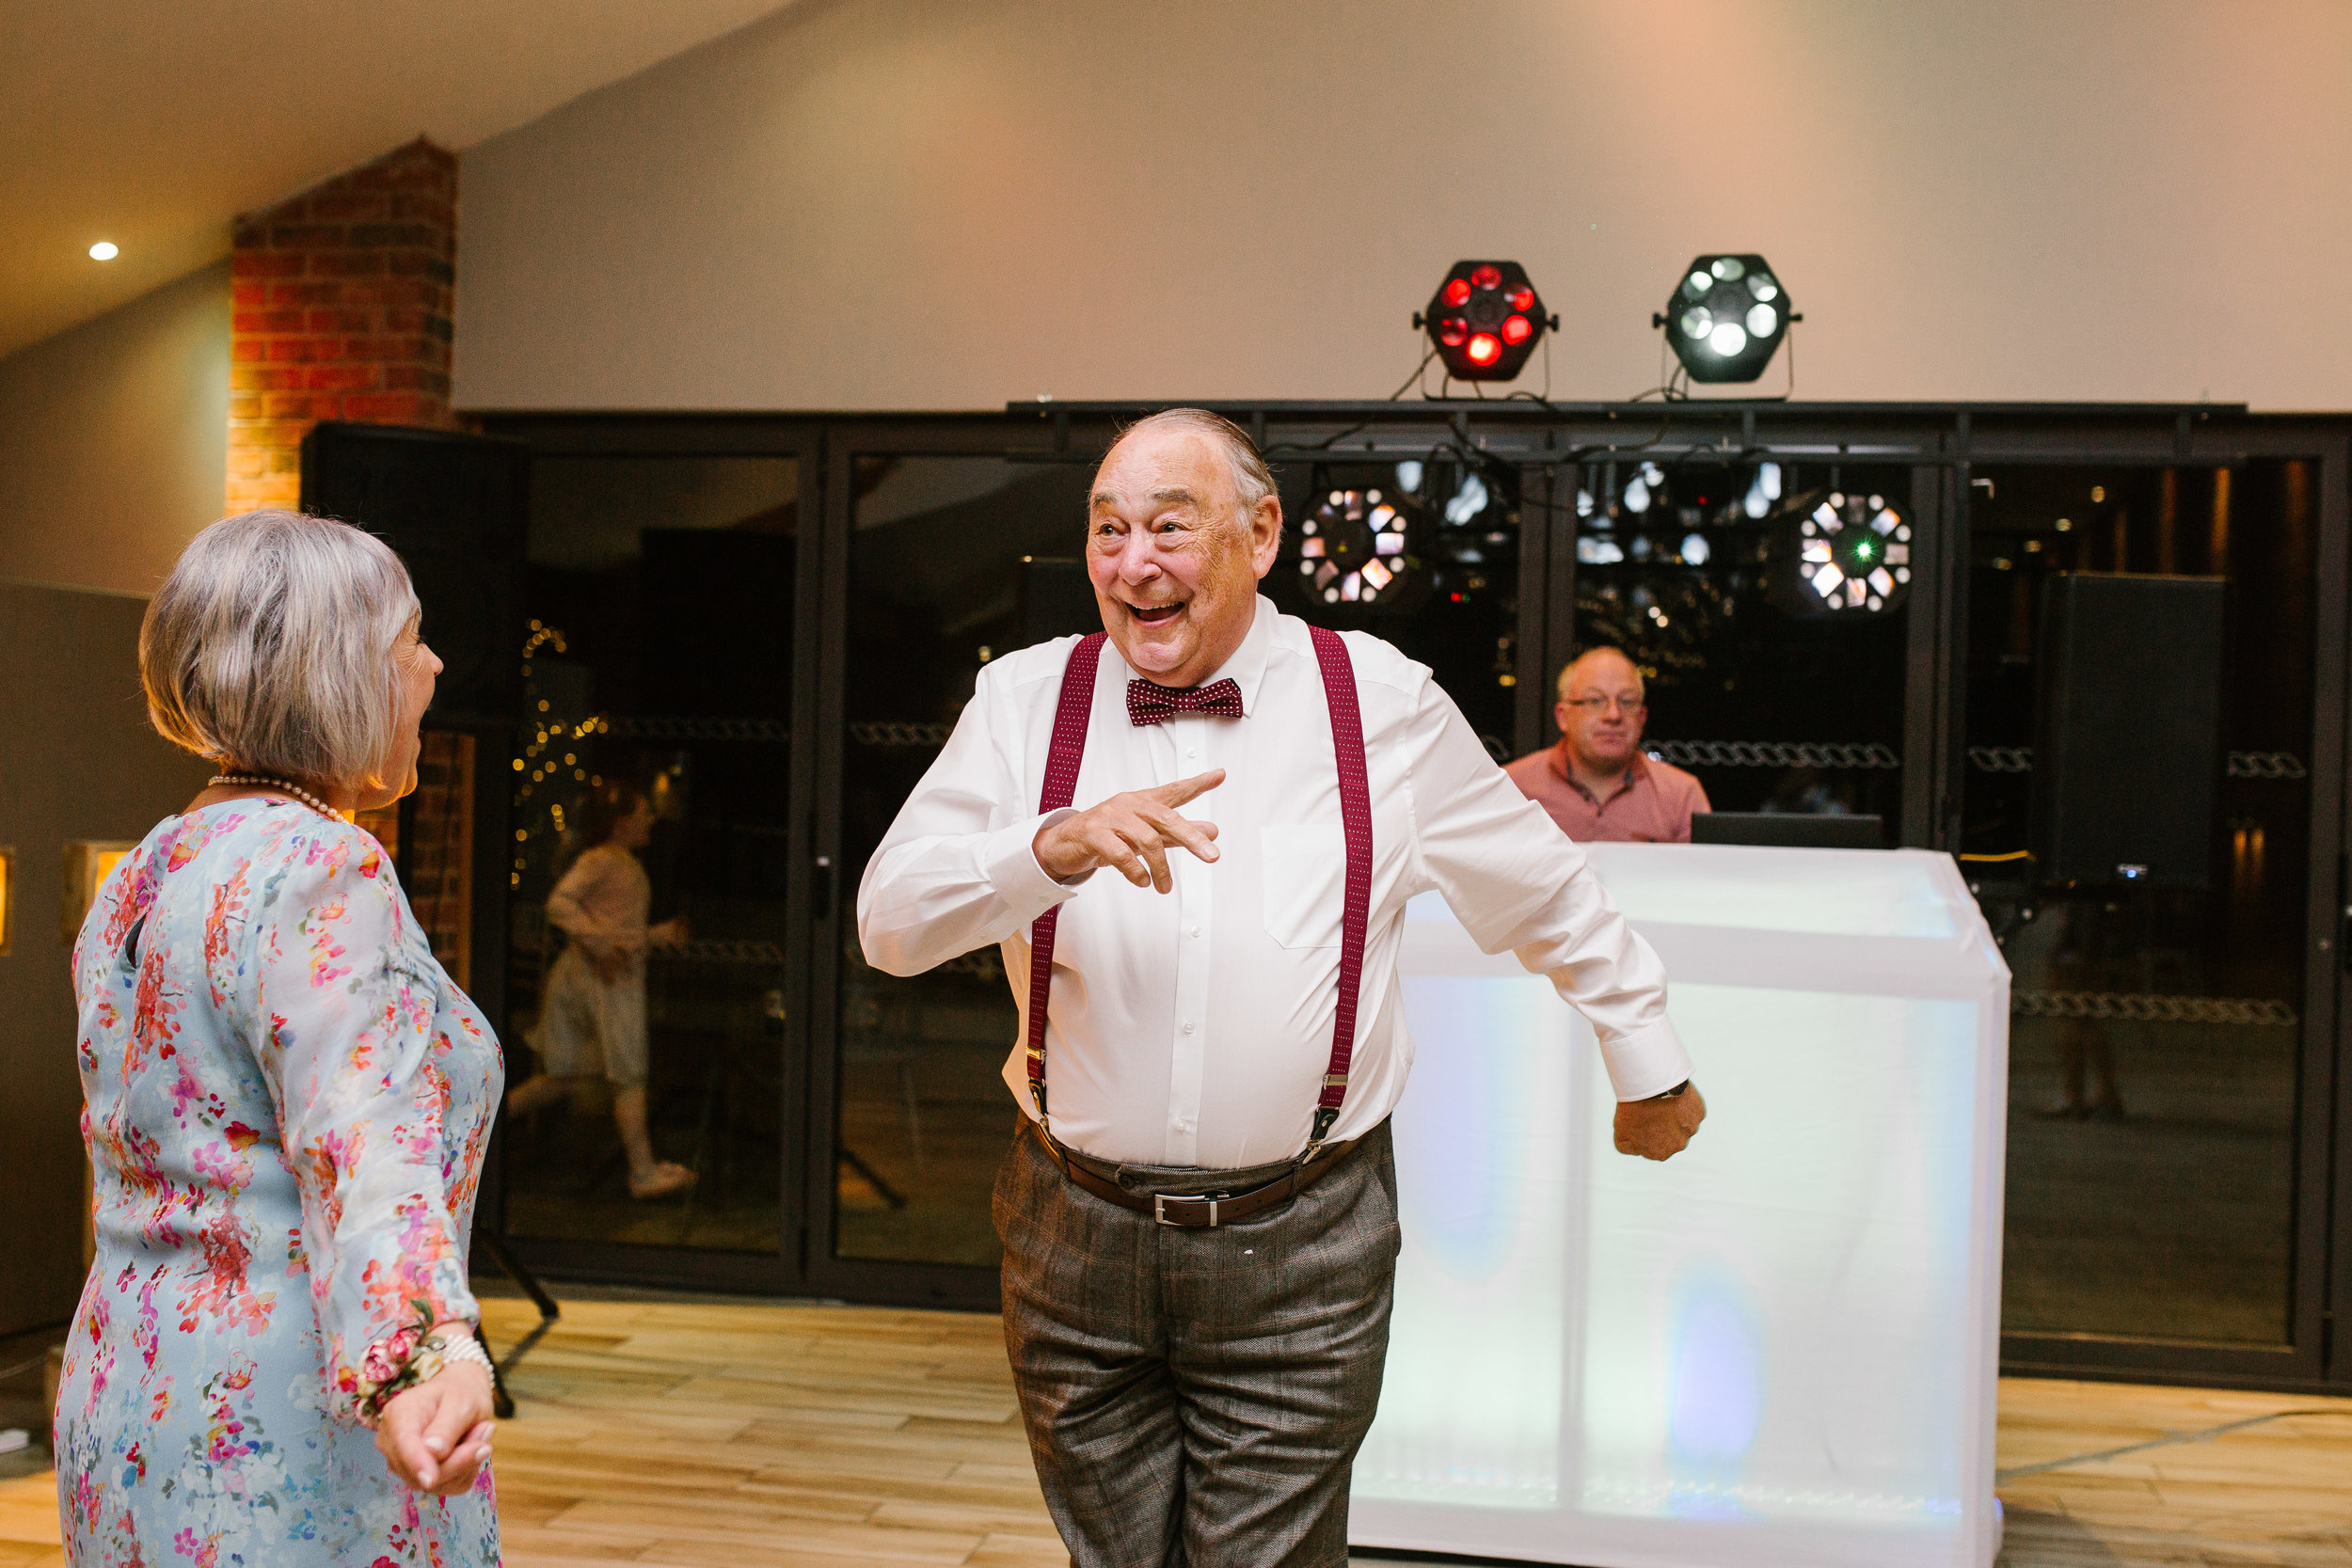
1654,807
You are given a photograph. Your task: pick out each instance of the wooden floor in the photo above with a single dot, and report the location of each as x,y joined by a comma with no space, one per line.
805,1437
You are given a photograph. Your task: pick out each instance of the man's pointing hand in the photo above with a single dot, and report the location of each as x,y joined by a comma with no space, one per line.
1131,834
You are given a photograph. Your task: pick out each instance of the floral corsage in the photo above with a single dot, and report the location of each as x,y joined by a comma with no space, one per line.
408,1356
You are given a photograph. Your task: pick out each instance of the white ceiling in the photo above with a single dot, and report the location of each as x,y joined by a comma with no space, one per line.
153,123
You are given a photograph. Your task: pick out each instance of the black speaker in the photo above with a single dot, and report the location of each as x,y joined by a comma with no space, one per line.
457,508
2128,749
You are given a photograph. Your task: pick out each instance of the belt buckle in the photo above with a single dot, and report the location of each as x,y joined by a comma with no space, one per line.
1159,1209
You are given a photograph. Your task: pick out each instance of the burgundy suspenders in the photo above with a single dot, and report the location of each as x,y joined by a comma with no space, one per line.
1348,742
1062,777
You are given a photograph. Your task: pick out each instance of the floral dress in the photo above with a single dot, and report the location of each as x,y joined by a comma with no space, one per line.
286,1102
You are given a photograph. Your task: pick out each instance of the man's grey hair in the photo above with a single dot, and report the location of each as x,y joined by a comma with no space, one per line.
270,648
1253,482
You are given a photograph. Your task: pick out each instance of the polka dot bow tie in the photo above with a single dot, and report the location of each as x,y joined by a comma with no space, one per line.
1148,704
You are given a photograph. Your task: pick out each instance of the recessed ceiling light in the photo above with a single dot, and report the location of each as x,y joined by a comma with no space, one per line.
104,250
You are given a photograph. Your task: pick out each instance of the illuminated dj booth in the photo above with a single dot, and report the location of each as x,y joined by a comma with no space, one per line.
1780,1347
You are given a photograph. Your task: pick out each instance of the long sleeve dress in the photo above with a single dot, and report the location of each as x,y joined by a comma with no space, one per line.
286,1104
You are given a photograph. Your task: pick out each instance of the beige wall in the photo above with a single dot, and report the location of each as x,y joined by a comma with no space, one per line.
932,203
114,439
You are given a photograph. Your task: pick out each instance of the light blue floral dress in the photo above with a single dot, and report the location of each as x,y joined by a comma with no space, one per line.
286,1102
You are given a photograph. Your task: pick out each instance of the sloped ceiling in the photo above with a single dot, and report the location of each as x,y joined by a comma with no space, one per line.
153,123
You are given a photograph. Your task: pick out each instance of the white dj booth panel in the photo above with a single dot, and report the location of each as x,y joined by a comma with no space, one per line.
1779,1347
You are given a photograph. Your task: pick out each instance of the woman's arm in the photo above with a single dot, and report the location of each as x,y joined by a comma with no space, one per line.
345,1016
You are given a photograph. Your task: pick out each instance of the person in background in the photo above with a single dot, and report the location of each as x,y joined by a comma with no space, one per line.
286,1102
1595,783
592,1017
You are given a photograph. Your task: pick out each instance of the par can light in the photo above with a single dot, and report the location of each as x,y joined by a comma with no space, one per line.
1485,320
1726,316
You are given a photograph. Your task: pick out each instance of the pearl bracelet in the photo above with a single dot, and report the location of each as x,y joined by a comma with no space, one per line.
408,1358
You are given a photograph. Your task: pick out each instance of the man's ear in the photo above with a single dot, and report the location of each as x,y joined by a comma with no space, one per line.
1266,534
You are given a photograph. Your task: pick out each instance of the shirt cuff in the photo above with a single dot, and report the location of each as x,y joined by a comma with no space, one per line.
1647,1062
1009,856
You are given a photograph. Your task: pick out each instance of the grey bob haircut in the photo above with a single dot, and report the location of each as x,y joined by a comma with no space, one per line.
270,648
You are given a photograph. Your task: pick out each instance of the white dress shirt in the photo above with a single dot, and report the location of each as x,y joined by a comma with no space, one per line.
1192,1027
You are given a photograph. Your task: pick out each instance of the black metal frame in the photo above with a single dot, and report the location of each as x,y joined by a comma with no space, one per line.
1940,443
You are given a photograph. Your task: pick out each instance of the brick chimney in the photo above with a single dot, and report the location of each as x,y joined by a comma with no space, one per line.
341,311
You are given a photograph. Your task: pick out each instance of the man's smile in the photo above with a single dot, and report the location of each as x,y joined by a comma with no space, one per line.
1152,615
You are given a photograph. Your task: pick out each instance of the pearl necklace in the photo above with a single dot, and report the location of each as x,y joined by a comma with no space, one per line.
293,790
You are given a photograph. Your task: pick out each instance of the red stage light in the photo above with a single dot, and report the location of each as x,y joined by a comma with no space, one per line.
1483,320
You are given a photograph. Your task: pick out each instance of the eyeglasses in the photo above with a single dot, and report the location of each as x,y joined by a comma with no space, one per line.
1598,704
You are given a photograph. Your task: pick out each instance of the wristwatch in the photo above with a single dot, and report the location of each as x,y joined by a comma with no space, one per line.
1674,1092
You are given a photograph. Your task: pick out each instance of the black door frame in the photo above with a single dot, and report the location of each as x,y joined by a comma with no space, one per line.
1941,444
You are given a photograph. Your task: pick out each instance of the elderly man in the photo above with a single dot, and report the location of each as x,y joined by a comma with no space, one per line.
1595,783
1199,1216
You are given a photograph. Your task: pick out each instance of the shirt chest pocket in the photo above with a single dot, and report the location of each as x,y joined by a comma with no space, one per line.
1304,867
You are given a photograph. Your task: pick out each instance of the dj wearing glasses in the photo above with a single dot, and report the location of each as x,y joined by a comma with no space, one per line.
1595,783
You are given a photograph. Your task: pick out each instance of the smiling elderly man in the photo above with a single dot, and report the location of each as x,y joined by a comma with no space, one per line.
1200,1218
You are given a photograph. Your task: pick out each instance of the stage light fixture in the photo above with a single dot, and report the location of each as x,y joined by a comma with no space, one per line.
1726,318
1355,546
1485,320
1854,553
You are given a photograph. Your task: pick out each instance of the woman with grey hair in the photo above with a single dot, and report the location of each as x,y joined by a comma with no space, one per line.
286,1102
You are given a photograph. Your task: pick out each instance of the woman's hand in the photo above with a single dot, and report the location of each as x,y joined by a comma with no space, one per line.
437,1436
670,933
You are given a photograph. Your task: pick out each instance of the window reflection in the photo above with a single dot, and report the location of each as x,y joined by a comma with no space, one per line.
953,560
647,982
2156,1030
1768,606
1443,564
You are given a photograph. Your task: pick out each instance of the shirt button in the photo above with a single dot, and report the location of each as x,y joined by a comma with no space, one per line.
1192,751
1196,930
1188,1026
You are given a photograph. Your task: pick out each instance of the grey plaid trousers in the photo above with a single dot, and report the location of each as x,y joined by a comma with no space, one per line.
1195,1399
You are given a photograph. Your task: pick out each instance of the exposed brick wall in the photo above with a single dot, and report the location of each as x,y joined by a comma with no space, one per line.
341,312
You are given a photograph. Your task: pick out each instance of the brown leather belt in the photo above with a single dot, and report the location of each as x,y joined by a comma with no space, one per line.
1195,1210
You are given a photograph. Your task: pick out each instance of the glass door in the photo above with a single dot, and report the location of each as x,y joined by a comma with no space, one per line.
2166,629
651,1002
943,562
1770,604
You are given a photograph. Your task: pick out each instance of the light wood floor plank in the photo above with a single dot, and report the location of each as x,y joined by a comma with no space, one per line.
681,1433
